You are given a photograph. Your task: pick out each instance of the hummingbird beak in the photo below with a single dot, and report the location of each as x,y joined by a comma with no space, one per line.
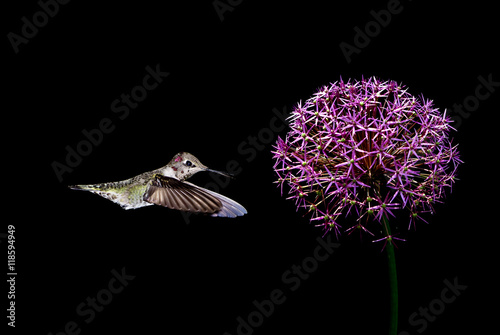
220,172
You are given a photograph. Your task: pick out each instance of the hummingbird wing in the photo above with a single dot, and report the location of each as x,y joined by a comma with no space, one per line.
175,194
184,196
229,209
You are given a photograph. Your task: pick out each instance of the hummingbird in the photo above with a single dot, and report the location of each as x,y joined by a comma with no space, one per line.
167,186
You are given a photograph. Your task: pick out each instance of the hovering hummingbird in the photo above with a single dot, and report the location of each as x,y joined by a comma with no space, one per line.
167,186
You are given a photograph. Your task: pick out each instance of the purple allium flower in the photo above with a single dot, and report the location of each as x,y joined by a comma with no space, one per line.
366,148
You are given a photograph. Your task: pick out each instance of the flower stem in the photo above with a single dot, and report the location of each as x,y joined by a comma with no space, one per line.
393,278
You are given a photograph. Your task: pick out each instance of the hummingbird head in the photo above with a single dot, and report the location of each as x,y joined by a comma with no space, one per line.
185,165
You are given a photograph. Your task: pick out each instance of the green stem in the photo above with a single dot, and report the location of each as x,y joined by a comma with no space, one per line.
393,278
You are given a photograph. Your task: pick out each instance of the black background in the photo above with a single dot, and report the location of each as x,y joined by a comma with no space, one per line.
226,77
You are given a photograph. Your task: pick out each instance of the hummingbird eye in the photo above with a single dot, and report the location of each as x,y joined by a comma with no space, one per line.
188,163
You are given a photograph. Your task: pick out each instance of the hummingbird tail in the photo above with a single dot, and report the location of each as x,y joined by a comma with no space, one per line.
105,190
96,187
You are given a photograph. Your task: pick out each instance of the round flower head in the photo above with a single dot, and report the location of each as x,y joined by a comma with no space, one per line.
366,148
